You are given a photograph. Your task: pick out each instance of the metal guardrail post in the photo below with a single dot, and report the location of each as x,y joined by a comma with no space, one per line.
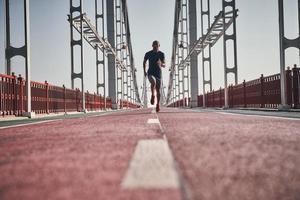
65,100
262,89
296,87
244,94
220,97
14,93
21,94
289,90
47,96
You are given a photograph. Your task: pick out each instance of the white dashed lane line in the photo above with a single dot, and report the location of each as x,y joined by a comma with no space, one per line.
262,116
153,121
152,167
30,123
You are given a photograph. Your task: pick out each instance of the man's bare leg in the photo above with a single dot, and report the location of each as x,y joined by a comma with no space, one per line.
158,98
152,89
153,86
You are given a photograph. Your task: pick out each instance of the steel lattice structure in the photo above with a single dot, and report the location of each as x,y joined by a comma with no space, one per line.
182,73
206,55
135,96
172,77
183,82
216,30
100,55
120,48
123,79
91,35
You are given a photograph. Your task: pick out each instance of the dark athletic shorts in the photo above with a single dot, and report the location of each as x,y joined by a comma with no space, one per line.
154,80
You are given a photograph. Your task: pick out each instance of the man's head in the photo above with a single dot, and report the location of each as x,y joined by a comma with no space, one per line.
155,45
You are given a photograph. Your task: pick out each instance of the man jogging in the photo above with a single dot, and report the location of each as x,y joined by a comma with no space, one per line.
156,60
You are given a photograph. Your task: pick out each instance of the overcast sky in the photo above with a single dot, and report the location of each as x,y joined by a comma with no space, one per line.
257,29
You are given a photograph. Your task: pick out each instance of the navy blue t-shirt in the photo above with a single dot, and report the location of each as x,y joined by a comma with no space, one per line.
153,58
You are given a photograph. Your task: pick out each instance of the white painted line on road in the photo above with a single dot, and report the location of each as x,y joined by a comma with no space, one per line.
153,121
98,115
257,115
185,191
31,123
160,126
152,167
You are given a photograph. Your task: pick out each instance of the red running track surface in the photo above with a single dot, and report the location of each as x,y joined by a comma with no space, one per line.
226,157
72,159
235,157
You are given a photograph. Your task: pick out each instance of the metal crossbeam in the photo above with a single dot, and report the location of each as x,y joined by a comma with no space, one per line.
92,37
214,33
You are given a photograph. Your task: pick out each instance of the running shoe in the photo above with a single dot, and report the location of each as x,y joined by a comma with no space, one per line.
157,108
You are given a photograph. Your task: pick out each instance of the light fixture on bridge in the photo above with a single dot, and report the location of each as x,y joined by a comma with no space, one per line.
181,44
123,45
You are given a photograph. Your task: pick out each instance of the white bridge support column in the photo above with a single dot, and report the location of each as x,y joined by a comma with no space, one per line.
194,57
23,51
285,43
112,86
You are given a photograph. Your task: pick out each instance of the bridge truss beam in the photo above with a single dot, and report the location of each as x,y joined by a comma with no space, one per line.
83,25
222,22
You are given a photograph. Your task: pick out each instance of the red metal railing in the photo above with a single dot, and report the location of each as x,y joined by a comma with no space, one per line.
9,96
180,103
127,104
263,92
46,98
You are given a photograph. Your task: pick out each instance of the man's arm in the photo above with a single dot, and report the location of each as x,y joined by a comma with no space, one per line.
144,66
163,63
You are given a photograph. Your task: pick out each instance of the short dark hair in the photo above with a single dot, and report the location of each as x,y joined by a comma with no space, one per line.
155,42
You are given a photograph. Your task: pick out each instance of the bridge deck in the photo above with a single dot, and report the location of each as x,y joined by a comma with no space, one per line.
177,154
